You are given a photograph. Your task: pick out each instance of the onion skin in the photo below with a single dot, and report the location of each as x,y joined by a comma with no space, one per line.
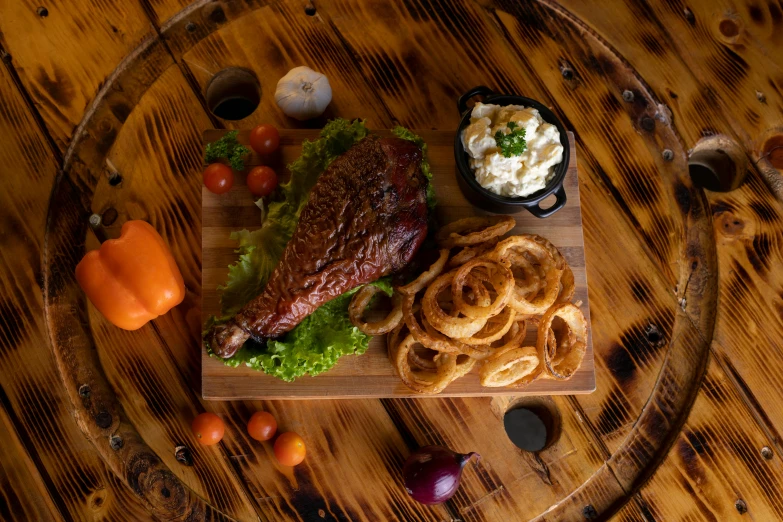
432,474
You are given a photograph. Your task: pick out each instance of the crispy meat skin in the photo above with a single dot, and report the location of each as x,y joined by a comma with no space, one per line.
366,218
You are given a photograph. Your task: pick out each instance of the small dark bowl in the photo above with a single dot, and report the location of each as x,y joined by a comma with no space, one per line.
489,201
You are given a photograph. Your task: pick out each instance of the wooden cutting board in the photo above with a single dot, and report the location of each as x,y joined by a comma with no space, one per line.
371,374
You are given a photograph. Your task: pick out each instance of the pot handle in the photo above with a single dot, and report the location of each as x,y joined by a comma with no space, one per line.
539,212
462,103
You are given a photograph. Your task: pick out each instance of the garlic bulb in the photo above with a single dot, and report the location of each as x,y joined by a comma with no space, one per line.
303,93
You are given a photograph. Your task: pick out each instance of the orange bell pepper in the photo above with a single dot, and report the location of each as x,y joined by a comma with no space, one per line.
133,279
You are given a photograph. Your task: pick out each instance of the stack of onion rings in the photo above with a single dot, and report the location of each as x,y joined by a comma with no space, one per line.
476,305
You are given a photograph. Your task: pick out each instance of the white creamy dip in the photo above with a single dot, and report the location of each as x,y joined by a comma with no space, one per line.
519,175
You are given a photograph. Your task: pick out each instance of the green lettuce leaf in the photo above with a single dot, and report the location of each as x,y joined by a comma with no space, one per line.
314,346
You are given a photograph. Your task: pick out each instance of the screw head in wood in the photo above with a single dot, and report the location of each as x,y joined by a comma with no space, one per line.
183,455
95,220
84,391
668,155
761,97
589,512
741,506
648,124
654,335
628,96
689,16
190,27
115,442
767,453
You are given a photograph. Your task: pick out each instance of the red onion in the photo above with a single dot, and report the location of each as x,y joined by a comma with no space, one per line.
432,473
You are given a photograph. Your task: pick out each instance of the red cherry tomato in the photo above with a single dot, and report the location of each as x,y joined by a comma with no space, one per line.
262,426
218,178
208,428
264,139
261,181
290,449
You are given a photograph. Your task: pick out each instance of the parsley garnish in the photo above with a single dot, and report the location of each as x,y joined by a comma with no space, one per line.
227,147
513,143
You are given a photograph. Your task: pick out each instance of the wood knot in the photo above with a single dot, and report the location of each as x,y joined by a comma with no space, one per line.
109,216
215,14
98,498
103,419
773,151
729,28
729,225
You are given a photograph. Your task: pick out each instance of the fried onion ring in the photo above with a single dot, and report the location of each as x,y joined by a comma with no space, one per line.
511,367
524,304
473,230
425,278
562,351
567,279
440,345
515,336
501,278
495,328
359,302
422,381
464,363
528,277
475,351
422,361
471,252
454,327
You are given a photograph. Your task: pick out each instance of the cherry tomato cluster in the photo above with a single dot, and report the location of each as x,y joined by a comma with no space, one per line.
261,180
289,447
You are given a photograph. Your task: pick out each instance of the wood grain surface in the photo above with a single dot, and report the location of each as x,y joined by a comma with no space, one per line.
102,108
371,375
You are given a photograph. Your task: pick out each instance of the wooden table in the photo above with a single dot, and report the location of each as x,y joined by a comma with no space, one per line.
101,111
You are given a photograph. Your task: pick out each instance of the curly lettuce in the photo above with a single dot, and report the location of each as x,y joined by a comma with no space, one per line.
327,334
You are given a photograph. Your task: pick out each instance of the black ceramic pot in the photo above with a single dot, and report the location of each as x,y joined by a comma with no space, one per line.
489,201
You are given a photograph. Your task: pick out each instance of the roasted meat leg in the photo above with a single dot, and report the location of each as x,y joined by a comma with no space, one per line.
366,218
